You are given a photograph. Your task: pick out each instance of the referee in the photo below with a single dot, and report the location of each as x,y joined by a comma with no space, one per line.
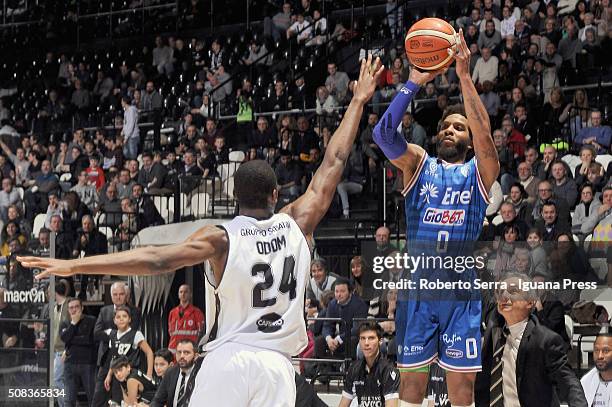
373,380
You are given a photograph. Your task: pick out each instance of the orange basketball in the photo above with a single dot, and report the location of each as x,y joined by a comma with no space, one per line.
427,42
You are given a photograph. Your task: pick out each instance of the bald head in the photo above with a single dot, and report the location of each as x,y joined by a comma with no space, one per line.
184,294
382,237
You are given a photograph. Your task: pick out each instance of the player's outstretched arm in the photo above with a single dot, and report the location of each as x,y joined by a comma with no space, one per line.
313,204
345,402
207,243
403,155
478,118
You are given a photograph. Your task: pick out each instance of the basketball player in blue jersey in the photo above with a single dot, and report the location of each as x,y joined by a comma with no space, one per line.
260,265
446,198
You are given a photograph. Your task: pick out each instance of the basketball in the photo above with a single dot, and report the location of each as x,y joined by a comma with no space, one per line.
427,42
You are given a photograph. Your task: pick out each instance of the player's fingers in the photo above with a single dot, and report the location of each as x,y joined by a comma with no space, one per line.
463,43
35,263
21,259
368,62
377,64
362,68
42,275
379,68
459,41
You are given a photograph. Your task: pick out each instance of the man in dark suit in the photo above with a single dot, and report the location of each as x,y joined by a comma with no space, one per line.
80,358
147,212
104,324
152,175
523,362
508,214
190,172
91,242
345,305
551,225
169,392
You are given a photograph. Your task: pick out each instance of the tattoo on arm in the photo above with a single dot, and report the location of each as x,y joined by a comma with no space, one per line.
490,153
476,111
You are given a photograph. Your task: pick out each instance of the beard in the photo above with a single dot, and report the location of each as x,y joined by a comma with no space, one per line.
604,367
186,364
451,154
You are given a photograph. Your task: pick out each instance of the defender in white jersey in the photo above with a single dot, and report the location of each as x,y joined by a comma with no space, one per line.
260,264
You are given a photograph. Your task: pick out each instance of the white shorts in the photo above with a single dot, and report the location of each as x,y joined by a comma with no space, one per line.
238,375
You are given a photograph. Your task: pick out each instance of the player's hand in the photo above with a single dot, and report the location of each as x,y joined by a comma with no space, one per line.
368,79
49,267
462,56
423,77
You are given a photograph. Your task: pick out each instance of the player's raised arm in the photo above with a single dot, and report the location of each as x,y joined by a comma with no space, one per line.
313,204
403,155
204,244
478,119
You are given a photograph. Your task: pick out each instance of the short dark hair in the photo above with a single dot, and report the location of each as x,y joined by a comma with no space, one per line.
165,354
520,104
371,326
535,231
341,281
314,303
453,109
186,340
119,363
254,183
558,161
550,202
72,299
123,308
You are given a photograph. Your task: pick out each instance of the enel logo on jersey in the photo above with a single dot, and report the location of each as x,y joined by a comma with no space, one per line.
444,217
429,192
457,197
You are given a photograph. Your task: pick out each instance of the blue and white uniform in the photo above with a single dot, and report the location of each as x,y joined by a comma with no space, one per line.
445,208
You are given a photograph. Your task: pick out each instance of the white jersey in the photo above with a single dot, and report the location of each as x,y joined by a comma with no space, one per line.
260,300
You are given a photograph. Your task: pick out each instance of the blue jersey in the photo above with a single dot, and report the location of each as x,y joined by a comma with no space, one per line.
445,202
445,209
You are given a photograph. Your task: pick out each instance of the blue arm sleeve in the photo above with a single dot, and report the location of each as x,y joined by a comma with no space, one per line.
385,133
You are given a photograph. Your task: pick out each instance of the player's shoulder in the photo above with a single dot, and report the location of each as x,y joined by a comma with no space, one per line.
355,370
212,231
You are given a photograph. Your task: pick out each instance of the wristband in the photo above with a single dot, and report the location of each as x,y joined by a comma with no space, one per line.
385,133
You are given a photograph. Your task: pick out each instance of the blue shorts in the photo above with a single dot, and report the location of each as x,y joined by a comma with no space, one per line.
444,331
